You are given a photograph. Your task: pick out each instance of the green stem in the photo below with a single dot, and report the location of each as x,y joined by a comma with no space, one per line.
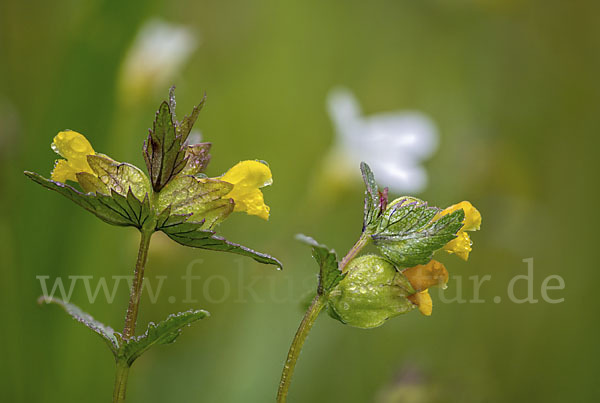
315,308
309,319
136,287
122,370
121,381
361,243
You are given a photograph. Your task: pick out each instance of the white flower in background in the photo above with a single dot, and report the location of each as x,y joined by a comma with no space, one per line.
394,144
156,56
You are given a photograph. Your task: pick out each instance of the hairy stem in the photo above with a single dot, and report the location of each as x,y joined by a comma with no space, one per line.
121,376
136,287
358,246
317,305
122,370
309,319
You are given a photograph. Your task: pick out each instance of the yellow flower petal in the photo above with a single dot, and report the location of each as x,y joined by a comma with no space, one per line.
461,245
75,148
423,276
63,172
472,221
247,177
423,301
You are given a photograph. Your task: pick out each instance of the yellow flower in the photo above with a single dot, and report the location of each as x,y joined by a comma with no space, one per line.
75,148
461,245
247,177
421,277
423,300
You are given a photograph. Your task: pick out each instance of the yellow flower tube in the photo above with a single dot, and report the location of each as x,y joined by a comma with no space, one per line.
75,148
247,177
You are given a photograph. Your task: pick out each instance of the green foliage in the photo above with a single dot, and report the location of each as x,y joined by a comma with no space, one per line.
372,208
113,175
197,158
164,150
408,235
106,332
185,126
329,273
193,234
113,208
404,231
165,332
200,199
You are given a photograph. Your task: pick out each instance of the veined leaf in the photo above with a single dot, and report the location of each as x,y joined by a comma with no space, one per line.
372,207
114,209
329,273
118,176
199,198
197,158
408,235
164,150
164,332
185,126
193,234
104,331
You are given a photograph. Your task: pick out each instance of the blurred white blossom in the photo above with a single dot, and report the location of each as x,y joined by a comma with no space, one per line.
157,54
394,144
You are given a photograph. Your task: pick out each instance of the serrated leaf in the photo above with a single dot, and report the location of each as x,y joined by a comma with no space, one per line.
201,199
372,207
165,150
118,176
197,158
329,273
185,126
405,215
407,235
104,331
114,209
193,234
164,332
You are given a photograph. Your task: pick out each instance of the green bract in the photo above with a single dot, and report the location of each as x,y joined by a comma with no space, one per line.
408,235
165,149
372,292
202,200
329,273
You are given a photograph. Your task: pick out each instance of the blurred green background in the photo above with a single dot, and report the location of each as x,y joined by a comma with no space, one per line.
513,88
